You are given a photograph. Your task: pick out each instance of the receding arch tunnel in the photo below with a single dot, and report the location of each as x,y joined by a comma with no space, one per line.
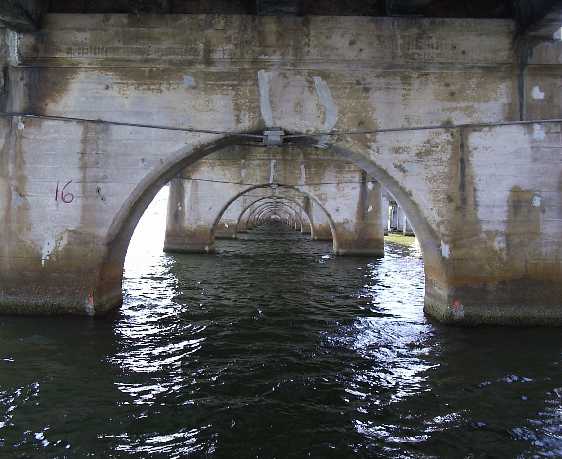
299,210
280,189
127,218
273,206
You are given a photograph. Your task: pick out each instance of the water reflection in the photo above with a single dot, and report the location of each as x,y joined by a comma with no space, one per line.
274,348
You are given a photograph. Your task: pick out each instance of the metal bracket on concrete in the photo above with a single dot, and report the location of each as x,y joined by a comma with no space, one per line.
273,137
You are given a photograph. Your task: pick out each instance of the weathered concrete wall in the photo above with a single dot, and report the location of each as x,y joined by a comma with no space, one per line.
321,230
340,190
543,81
385,211
4,68
485,202
393,72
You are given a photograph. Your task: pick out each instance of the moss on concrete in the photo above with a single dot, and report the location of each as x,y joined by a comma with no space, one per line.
407,241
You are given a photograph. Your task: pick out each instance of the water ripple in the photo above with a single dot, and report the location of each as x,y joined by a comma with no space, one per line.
274,348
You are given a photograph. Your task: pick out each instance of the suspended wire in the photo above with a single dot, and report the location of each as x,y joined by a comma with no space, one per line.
127,124
260,136
274,183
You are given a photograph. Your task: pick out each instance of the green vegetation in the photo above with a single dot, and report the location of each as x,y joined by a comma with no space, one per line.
397,238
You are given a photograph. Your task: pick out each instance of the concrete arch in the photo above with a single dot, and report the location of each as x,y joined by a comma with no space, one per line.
108,288
304,211
270,204
429,241
280,186
261,213
107,292
230,224
490,257
255,208
267,209
418,130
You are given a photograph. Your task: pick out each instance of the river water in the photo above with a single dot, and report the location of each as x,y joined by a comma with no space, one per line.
274,349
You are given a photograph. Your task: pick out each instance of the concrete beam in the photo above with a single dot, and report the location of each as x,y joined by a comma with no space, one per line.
279,7
539,19
21,15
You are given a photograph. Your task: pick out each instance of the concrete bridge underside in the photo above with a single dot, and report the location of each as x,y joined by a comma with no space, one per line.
430,108
274,204
274,198
277,209
210,195
315,218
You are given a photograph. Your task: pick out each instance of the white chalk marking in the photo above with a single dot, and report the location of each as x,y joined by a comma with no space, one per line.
445,250
17,199
499,243
189,81
46,251
264,79
272,171
50,245
538,132
537,200
537,93
330,107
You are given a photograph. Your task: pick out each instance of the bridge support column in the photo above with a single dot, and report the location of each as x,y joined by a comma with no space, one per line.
226,229
306,227
187,229
486,200
321,230
385,203
364,234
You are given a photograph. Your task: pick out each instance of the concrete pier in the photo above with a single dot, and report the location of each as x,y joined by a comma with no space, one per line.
397,219
452,116
341,201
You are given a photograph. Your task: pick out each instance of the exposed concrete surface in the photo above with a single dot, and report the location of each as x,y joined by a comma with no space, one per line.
485,202
347,204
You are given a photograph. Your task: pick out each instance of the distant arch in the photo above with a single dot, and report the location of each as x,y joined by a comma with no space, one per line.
249,206
108,288
271,207
279,186
267,209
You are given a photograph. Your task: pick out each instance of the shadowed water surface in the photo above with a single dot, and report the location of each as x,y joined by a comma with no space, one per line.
274,348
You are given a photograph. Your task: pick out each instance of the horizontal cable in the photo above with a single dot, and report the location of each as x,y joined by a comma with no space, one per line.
287,136
274,183
122,123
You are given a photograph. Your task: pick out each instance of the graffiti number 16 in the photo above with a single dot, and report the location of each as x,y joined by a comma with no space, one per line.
62,194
